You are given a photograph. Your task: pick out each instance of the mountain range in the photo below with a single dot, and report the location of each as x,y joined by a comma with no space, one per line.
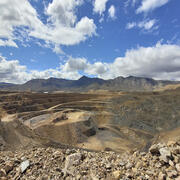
85,83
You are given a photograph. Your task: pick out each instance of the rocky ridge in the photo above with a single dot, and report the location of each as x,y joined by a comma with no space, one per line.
83,84
161,162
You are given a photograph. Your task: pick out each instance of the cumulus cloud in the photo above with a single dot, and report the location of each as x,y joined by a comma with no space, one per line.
97,69
75,64
17,14
63,12
112,12
62,27
82,64
99,6
12,71
86,27
149,5
145,25
161,61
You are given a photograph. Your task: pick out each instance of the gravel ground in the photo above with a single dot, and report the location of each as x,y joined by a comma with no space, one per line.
162,162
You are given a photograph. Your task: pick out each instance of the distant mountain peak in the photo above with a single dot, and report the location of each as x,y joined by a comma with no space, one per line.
52,78
84,77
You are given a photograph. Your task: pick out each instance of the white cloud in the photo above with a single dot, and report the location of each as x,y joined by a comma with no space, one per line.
161,61
63,12
8,42
101,19
149,5
17,14
131,25
12,71
86,27
65,29
134,2
81,64
20,21
74,64
126,4
98,68
57,49
99,6
146,25
112,12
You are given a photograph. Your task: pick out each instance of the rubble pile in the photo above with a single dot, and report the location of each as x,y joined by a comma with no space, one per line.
162,162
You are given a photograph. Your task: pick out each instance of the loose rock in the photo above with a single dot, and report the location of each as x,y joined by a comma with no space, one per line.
76,164
24,165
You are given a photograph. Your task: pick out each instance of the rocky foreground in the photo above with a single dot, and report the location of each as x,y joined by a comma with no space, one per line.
162,162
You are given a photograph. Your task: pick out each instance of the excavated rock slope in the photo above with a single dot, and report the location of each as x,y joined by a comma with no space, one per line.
96,121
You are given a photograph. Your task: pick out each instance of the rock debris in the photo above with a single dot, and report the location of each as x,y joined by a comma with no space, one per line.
162,162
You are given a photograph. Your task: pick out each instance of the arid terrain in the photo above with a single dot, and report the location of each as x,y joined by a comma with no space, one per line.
95,135
101,120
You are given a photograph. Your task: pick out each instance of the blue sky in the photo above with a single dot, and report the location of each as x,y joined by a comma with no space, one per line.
97,38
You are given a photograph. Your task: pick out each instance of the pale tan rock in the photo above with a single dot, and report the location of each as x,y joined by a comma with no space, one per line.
49,163
134,170
171,163
139,164
176,159
178,178
116,174
129,165
8,167
165,154
171,143
3,178
161,176
178,167
172,174
2,173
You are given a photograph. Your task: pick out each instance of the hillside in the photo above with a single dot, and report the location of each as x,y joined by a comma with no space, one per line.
86,84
